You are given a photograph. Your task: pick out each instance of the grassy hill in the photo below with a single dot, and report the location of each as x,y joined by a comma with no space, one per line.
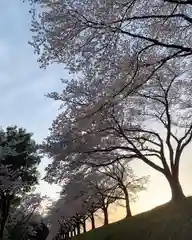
167,222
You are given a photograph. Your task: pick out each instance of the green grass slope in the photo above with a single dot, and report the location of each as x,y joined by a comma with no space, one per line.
167,222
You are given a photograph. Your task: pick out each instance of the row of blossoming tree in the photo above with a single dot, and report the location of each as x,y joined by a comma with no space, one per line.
88,192
91,153
130,97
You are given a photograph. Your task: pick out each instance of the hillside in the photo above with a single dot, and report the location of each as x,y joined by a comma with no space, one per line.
167,222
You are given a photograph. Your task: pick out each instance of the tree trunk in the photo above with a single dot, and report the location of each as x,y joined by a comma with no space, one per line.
106,217
78,228
92,221
74,231
5,205
176,189
127,203
84,226
67,236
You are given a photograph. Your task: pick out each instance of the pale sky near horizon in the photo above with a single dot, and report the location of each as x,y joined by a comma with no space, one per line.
22,90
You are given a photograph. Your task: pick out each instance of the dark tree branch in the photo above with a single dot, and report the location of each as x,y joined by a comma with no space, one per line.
186,134
169,124
154,98
189,135
137,151
163,159
148,140
187,138
179,1
138,154
152,40
129,157
93,24
96,25
179,15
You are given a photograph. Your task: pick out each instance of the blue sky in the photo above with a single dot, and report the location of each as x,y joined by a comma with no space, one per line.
23,83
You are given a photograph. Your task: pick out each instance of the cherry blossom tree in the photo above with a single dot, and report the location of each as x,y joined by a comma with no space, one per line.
78,192
20,222
91,193
88,190
85,191
106,192
113,40
61,213
153,125
82,195
124,178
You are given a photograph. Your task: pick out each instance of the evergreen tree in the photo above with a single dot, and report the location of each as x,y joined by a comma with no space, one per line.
19,160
